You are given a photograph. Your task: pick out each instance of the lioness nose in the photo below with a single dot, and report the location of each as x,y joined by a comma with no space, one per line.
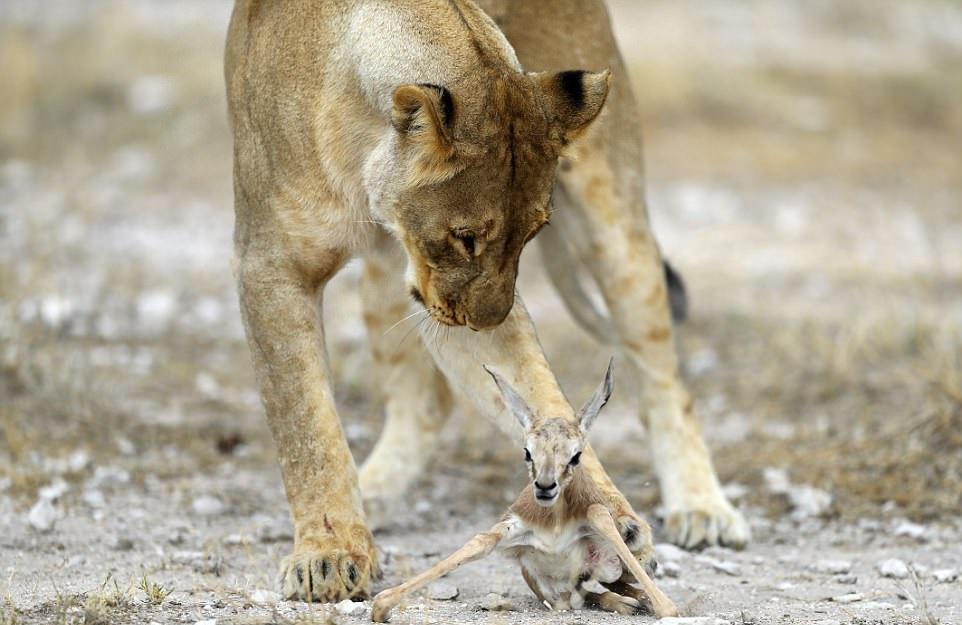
549,487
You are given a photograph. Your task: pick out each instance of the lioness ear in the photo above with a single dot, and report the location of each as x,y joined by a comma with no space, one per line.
574,98
423,114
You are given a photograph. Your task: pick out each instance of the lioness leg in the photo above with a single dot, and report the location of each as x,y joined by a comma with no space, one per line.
617,246
514,351
416,397
333,556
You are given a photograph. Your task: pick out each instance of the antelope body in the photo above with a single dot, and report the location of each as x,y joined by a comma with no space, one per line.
559,529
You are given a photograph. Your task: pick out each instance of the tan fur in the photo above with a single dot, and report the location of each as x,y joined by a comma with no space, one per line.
569,549
342,133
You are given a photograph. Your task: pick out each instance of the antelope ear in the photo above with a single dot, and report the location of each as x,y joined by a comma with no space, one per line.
423,114
515,403
574,98
591,409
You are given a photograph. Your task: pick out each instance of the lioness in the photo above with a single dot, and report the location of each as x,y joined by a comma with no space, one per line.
413,133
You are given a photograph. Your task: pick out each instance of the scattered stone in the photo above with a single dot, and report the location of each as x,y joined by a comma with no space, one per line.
847,579
668,568
237,539
210,621
206,505
911,530
806,501
734,491
945,576
876,605
667,551
42,516
894,568
851,597
121,543
55,490
126,446
728,568
94,498
265,597
348,607
833,567
275,532
108,476
493,602
78,461
201,562
443,591
692,620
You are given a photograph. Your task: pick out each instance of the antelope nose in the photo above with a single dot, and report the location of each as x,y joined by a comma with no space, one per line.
550,487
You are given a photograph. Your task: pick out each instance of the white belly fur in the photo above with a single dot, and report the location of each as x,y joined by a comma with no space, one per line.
558,559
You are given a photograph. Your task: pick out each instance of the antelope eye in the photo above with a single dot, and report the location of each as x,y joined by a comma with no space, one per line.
527,455
575,459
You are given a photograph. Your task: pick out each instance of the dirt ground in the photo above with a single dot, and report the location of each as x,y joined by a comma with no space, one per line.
804,176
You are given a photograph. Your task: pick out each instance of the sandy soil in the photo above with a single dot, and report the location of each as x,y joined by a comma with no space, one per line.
804,176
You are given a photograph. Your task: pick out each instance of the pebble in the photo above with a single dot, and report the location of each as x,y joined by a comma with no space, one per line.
94,498
108,476
265,597
237,539
443,591
206,505
78,461
42,516
728,568
667,551
210,621
348,607
945,576
692,620
121,543
876,605
911,530
668,568
851,597
55,490
894,568
847,579
493,602
833,567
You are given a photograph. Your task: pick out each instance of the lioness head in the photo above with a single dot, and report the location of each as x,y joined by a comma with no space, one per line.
465,182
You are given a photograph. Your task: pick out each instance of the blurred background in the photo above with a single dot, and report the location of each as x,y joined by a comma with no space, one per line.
804,175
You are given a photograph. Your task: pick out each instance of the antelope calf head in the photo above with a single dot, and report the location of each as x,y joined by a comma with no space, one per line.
553,445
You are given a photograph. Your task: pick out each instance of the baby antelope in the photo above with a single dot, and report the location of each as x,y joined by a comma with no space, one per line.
559,529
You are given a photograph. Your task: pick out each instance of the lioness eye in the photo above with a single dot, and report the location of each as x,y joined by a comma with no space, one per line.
575,459
527,455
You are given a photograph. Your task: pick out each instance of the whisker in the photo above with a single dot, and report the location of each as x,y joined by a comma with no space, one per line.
403,319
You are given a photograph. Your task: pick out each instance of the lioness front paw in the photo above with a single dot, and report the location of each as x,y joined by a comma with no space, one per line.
329,570
707,525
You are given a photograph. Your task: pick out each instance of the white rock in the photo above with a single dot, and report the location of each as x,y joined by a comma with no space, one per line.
348,607
667,551
443,591
78,461
833,567
945,576
55,490
776,480
728,568
265,597
237,539
876,605
493,602
206,505
94,498
108,476
210,621
893,567
911,530
126,446
42,516
668,568
808,501
692,620
851,597
150,94
734,491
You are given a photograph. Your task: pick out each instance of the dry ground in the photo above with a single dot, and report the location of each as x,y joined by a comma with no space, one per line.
804,170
